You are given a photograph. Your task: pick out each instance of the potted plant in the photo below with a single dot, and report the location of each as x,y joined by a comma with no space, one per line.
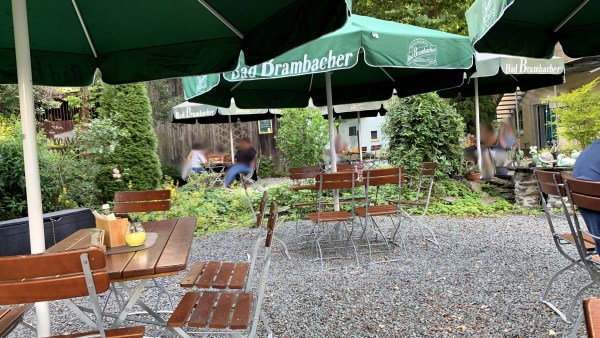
471,171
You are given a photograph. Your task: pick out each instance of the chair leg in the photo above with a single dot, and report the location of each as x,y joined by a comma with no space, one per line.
575,301
285,248
549,287
576,326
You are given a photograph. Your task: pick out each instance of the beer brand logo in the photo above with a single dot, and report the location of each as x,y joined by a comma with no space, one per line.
422,53
201,84
489,13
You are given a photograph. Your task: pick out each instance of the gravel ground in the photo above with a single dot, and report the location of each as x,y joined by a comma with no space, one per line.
484,280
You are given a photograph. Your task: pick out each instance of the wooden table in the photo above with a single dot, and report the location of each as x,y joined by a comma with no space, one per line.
167,257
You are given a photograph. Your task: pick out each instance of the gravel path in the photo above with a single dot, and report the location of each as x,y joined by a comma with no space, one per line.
484,280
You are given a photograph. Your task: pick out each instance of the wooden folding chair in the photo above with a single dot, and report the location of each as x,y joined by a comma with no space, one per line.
550,183
421,200
591,312
57,276
321,218
232,276
583,195
127,202
225,312
374,179
11,317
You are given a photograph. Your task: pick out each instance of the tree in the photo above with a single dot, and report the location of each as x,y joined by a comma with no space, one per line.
444,15
134,162
44,98
424,128
578,114
162,99
466,108
302,136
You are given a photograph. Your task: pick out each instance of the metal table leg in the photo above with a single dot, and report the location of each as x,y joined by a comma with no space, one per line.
134,298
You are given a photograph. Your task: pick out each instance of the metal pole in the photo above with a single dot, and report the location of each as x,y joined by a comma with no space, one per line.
336,195
30,151
231,139
359,134
517,120
477,125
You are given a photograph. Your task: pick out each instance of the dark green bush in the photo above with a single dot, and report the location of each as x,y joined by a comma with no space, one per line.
424,128
136,157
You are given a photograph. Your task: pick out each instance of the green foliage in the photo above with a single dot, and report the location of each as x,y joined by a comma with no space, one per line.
444,15
162,99
9,99
578,114
134,163
302,136
424,128
466,108
267,167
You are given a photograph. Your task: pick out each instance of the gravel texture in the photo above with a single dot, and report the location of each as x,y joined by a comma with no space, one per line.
483,280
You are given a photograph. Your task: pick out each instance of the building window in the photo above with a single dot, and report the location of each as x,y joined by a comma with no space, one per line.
374,135
352,131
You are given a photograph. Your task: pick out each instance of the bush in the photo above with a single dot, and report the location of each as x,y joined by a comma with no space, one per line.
466,108
302,136
424,128
134,163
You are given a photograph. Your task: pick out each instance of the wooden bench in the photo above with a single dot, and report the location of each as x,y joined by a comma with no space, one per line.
11,317
225,310
56,276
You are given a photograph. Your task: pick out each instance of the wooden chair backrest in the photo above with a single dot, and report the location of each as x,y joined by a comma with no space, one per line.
50,276
261,209
350,167
546,182
303,173
142,201
376,148
337,181
585,194
379,177
273,215
428,168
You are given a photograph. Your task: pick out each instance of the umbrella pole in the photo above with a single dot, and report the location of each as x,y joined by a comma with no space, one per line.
333,155
359,134
30,150
231,138
517,118
477,125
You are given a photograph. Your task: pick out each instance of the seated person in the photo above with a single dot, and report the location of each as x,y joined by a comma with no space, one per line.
340,150
245,161
196,160
587,168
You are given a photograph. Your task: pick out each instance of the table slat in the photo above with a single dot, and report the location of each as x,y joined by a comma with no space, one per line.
72,241
175,255
144,261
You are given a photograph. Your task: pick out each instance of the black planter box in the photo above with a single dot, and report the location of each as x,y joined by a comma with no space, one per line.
14,234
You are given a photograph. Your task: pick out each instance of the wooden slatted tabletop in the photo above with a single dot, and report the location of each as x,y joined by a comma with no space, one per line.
166,257
591,309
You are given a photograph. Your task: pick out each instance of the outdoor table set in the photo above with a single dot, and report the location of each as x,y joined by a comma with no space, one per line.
335,231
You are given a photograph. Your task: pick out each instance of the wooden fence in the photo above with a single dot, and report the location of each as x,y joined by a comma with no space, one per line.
175,140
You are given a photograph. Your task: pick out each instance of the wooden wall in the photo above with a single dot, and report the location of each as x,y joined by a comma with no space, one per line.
175,140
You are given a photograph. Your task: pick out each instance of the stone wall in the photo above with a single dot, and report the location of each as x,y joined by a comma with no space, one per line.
527,193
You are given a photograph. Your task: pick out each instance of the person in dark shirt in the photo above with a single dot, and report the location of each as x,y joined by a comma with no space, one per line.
587,168
245,161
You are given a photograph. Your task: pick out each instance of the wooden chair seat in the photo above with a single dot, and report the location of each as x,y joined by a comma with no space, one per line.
330,216
126,332
9,318
304,204
214,310
377,210
591,311
590,245
217,275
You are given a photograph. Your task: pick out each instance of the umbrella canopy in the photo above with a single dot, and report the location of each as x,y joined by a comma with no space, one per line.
191,113
369,58
132,41
356,110
533,27
500,74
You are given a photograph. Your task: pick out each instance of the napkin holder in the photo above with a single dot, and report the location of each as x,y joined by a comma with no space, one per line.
114,231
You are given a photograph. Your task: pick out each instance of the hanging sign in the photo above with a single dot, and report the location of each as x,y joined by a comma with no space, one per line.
265,127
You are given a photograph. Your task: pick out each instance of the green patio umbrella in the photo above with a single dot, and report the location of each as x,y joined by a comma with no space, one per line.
498,74
364,61
192,113
533,27
63,43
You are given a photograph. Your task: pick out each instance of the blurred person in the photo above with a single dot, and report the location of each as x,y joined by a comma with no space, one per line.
196,160
340,150
587,168
245,161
